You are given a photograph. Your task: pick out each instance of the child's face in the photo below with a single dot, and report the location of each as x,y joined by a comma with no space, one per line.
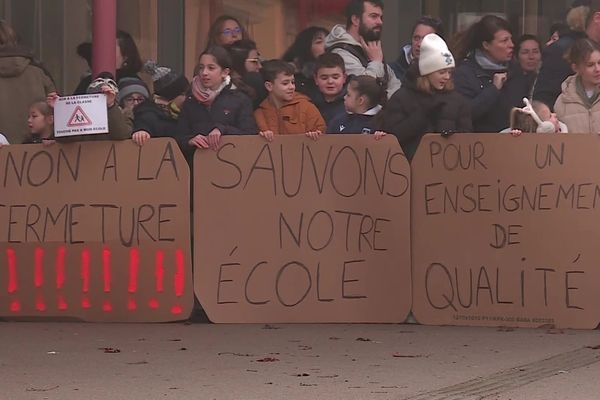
439,79
252,63
590,69
211,74
283,87
37,122
330,81
543,111
352,100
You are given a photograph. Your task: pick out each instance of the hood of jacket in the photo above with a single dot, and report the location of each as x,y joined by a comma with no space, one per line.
339,35
297,99
569,91
13,61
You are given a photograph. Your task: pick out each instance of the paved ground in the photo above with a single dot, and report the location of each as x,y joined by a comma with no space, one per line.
203,361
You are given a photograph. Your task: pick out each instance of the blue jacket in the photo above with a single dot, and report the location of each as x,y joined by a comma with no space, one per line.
355,123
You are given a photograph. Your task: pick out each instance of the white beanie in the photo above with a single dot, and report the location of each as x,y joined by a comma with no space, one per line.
3,140
434,55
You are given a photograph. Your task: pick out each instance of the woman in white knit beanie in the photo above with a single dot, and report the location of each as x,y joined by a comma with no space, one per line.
427,102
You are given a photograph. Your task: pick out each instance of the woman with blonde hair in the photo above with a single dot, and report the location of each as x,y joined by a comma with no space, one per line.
427,101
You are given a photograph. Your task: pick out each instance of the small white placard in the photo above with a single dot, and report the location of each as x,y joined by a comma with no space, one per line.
80,115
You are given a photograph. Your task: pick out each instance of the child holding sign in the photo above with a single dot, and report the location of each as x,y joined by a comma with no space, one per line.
285,112
579,103
427,102
216,106
40,123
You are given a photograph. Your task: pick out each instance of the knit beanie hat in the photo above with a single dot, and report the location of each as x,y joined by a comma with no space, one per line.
434,55
131,85
167,84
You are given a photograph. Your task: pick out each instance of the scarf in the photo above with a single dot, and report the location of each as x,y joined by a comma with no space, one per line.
204,95
487,64
588,101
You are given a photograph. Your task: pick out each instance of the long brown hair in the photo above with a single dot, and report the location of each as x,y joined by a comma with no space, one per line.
471,39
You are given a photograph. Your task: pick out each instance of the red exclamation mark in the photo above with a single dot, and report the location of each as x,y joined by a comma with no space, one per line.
85,278
107,306
38,278
159,275
15,305
60,277
179,280
134,264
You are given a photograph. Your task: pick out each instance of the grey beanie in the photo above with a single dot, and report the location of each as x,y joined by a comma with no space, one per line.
128,86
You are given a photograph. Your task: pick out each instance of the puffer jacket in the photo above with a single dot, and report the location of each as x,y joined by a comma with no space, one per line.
574,112
297,117
412,113
22,81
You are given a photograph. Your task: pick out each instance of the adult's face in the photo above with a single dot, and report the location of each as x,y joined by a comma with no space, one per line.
371,22
419,33
500,48
317,46
230,32
530,56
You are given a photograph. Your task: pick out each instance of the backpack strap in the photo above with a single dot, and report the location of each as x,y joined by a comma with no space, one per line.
356,51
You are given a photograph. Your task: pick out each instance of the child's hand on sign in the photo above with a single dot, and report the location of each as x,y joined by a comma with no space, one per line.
200,141
379,134
269,135
111,95
516,132
213,139
48,142
51,99
314,135
140,137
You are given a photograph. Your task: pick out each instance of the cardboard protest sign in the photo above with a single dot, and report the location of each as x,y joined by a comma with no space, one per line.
80,115
505,230
95,231
303,231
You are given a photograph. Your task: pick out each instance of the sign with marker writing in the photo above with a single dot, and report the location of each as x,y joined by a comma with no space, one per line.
505,230
95,231
80,115
303,231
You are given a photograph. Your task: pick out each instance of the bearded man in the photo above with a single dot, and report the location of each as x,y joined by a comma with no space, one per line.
359,42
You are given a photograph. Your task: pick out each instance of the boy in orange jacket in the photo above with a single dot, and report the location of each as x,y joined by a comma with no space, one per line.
284,111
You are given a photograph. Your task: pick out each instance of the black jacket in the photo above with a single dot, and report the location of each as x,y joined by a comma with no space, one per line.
555,69
476,85
353,123
400,66
411,113
231,112
329,110
155,120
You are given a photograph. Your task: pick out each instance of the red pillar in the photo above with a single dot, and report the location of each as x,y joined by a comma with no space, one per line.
104,36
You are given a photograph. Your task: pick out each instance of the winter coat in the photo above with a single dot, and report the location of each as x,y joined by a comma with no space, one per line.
400,66
574,112
488,104
296,117
354,65
411,113
329,109
22,81
355,123
555,69
230,112
154,119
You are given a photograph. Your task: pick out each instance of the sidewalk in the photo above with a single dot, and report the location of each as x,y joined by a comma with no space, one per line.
74,361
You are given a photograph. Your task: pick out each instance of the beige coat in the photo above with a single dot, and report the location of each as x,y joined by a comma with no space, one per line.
571,109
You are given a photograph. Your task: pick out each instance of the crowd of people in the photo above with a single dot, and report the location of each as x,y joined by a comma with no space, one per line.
482,79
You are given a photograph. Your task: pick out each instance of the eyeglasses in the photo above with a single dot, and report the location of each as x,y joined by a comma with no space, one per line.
254,60
229,31
134,100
